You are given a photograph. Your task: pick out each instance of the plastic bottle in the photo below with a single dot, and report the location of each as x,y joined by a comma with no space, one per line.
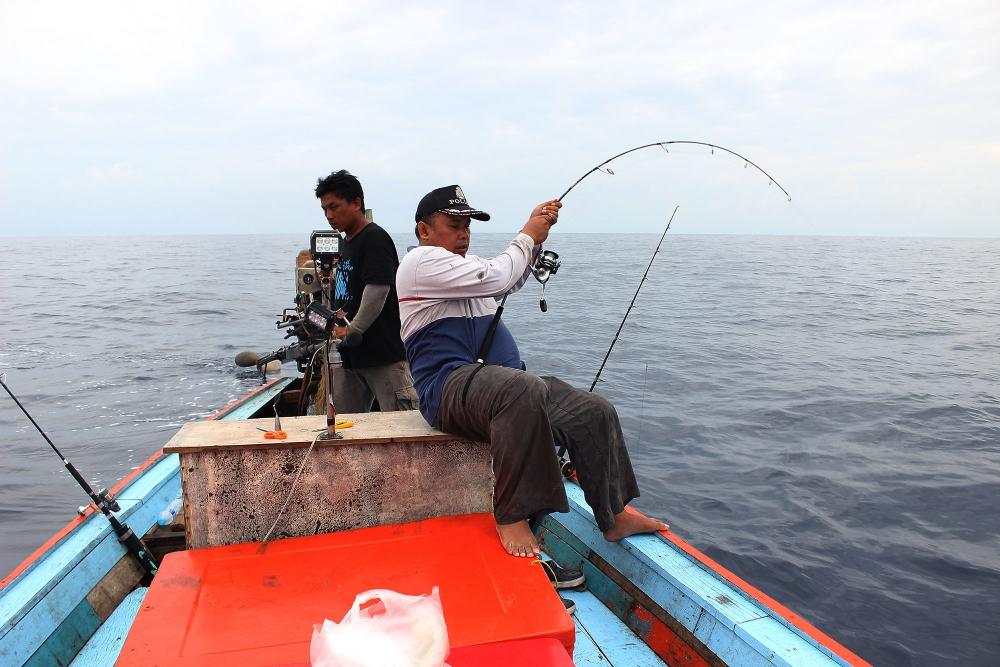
170,511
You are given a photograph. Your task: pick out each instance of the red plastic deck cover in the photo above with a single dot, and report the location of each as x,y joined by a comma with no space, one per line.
534,652
243,605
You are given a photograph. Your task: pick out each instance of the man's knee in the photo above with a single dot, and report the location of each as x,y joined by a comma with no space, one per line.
601,404
529,390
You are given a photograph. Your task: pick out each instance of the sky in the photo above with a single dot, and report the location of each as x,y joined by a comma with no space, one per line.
123,118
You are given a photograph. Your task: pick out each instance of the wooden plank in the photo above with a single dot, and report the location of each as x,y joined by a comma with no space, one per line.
115,586
105,645
368,428
724,643
680,607
47,617
708,641
613,638
20,596
39,554
585,652
770,638
165,475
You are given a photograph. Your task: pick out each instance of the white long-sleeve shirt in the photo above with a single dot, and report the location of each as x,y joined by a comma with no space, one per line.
446,303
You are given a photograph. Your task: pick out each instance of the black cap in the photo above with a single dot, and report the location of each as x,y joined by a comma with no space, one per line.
449,199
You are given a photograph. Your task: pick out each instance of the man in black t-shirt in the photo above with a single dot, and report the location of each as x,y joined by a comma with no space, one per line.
374,358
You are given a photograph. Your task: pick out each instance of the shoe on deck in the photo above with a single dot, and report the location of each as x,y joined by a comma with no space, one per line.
569,604
562,577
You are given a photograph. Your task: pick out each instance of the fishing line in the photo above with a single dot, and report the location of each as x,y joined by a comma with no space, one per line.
663,144
632,303
564,463
291,490
302,465
642,402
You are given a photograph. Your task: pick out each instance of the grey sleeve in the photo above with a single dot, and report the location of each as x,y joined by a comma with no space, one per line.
372,301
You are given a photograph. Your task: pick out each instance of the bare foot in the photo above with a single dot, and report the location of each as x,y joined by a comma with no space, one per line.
518,539
627,523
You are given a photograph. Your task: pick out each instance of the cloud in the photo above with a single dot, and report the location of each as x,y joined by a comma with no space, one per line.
103,49
208,100
120,174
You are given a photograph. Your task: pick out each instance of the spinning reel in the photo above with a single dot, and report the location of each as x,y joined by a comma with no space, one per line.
545,267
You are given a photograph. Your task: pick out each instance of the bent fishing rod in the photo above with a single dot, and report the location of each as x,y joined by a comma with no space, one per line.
103,500
603,167
664,144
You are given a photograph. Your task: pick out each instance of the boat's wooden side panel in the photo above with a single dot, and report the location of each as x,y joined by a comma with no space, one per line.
700,604
103,648
81,623
47,609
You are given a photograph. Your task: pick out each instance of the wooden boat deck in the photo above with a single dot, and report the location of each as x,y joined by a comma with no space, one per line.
602,639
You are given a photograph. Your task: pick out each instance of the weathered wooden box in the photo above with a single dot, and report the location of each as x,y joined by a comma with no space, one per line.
388,468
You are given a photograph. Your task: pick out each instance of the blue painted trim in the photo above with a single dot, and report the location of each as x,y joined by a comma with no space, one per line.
726,622
251,405
105,645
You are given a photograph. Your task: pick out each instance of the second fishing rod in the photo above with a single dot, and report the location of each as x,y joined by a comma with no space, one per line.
103,500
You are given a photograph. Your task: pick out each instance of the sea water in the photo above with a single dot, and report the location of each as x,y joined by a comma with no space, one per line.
819,415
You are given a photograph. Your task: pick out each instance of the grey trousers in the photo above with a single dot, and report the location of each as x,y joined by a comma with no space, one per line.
524,418
354,389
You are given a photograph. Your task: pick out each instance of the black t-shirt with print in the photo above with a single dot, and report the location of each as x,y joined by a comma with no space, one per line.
370,259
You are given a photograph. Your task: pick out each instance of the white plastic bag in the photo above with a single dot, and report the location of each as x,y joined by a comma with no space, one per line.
399,631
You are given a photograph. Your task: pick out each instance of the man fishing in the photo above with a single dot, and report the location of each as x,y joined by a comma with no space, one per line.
373,356
447,302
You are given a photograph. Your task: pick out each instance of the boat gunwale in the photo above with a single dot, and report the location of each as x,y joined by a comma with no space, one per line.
789,620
